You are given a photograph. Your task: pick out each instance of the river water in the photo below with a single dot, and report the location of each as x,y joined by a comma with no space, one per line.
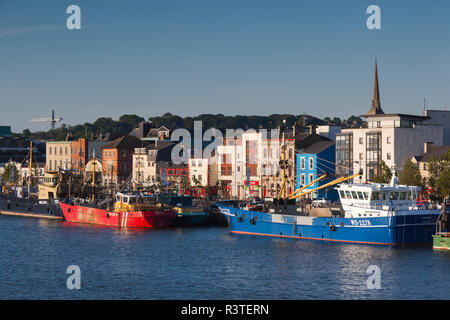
204,263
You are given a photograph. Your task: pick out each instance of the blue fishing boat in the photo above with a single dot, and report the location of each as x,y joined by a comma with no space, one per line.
371,213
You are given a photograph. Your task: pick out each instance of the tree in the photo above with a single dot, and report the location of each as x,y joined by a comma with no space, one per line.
132,119
6,176
410,175
384,175
439,179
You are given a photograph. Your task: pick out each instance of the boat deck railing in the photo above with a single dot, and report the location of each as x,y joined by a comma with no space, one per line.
391,207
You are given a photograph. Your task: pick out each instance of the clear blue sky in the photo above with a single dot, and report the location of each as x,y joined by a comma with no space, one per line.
233,57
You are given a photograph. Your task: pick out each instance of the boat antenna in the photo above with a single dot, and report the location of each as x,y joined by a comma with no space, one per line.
93,176
29,168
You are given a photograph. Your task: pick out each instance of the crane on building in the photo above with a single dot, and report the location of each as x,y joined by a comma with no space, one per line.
52,120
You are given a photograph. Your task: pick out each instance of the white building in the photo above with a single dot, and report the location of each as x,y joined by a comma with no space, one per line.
249,164
442,118
328,131
391,138
147,162
202,172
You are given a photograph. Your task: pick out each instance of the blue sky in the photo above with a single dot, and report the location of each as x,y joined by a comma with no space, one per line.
233,57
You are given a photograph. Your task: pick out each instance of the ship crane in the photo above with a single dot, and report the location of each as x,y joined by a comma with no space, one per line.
52,120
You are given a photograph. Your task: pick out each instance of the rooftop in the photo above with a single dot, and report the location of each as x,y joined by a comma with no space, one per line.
435,152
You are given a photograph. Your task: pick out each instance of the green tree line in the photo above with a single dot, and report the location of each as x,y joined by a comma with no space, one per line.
127,122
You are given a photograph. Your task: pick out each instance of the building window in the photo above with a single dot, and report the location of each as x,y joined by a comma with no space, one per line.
302,181
388,156
373,154
50,149
311,178
361,156
311,163
344,153
425,166
124,154
302,163
361,140
388,140
106,153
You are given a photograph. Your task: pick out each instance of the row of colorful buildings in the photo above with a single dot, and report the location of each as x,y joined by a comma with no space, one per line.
248,162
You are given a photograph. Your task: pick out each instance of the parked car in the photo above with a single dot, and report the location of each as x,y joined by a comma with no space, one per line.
320,203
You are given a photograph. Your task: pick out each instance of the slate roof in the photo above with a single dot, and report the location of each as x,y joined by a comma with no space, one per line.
126,142
435,152
312,142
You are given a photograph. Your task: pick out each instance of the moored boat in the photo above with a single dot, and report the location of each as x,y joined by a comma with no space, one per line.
130,210
441,239
190,217
371,213
187,215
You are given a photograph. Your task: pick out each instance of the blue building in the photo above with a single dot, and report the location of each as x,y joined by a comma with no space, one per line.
314,158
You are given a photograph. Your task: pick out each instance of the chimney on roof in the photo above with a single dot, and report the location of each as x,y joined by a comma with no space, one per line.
427,146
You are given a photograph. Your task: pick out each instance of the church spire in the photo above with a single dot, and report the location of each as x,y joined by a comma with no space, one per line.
375,107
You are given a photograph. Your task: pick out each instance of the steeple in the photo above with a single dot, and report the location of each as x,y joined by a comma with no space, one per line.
375,107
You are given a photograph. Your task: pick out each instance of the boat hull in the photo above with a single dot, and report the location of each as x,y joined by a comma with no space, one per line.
441,241
135,219
29,206
191,219
394,230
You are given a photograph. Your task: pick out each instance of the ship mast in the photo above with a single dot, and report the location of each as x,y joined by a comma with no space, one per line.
29,169
93,178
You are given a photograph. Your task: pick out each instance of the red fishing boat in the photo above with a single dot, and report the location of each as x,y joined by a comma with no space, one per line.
130,210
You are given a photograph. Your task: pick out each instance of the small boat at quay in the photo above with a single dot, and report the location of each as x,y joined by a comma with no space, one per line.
130,210
187,215
441,239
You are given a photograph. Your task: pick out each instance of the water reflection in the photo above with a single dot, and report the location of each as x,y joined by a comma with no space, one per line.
205,263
